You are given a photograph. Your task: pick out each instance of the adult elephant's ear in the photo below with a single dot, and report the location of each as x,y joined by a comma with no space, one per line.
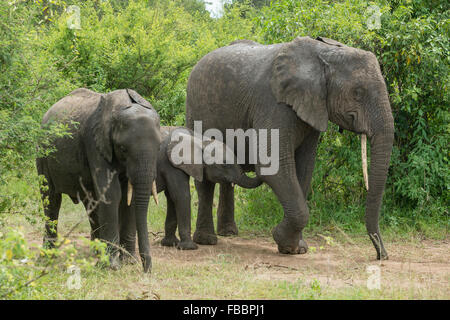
102,128
298,80
136,98
185,152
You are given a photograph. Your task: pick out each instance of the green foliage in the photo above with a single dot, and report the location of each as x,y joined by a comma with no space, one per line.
25,79
254,3
29,83
22,266
258,210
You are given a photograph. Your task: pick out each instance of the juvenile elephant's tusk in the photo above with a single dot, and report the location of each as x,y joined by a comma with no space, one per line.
155,193
364,160
129,193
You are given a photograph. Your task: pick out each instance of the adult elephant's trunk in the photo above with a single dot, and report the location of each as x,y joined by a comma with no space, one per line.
381,142
249,183
141,195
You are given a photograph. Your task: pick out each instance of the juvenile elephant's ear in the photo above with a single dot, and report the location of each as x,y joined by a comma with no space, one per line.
102,128
136,98
298,80
331,42
185,152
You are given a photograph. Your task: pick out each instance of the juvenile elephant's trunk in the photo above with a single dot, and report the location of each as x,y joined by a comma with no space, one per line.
247,182
381,147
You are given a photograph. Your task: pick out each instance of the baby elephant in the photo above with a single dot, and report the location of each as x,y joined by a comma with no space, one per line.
179,149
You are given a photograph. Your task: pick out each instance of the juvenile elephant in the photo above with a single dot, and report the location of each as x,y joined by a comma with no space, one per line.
112,155
173,178
295,88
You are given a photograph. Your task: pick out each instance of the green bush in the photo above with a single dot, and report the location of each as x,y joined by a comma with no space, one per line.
22,266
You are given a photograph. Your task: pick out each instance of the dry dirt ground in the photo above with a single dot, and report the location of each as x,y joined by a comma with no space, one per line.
424,265
251,268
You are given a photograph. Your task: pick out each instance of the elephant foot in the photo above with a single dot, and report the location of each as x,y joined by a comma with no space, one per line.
302,246
202,237
128,258
383,256
229,229
146,263
187,245
114,262
170,241
49,243
379,247
289,242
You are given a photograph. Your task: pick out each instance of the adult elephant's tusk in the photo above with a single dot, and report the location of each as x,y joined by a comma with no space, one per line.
155,193
364,160
129,193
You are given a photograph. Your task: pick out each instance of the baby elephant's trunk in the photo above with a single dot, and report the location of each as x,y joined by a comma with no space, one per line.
247,182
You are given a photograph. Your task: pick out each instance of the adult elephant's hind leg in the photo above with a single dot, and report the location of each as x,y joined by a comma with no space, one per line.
51,210
288,233
51,202
204,231
93,218
226,226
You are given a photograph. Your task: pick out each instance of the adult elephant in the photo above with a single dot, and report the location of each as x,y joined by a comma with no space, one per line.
110,158
294,87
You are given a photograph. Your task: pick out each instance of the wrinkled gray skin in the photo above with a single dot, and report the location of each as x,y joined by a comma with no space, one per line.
295,87
116,140
173,179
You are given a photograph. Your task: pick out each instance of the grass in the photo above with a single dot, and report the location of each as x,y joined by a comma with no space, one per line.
223,276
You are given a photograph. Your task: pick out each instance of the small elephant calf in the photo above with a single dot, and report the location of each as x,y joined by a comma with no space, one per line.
173,177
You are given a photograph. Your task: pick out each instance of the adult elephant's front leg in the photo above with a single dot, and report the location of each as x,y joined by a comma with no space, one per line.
204,231
288,233
305,158
108,191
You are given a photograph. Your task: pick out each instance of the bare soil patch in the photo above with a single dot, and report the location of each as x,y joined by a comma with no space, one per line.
419,270
414,266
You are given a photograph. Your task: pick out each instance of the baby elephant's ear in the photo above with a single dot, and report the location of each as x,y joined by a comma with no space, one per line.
136,98
185,152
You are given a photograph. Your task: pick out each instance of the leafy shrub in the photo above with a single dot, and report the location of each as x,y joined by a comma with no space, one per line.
23,265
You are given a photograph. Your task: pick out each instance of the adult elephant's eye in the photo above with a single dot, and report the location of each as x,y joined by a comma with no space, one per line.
358,94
